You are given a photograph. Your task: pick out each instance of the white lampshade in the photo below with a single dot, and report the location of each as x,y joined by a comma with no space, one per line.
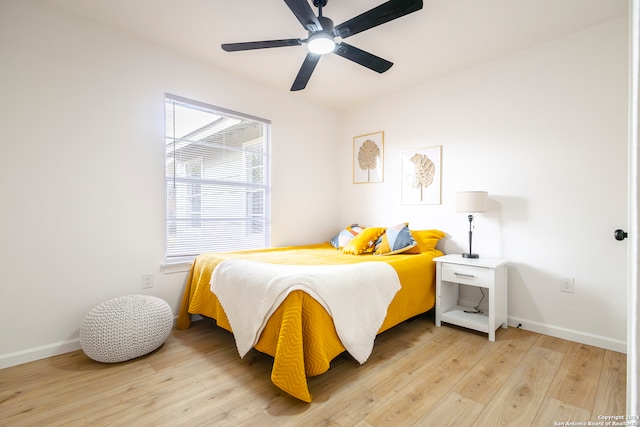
471,201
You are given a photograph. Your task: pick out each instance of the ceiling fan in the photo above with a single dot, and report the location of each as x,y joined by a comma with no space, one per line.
322,34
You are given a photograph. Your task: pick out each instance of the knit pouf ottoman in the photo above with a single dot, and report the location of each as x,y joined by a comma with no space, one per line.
125,328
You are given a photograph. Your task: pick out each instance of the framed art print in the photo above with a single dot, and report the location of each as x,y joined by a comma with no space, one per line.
368,158
421,176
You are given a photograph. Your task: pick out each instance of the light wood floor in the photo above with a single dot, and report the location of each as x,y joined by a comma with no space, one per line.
417,375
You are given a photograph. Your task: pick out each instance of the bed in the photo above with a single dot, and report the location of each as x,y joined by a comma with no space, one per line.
300,333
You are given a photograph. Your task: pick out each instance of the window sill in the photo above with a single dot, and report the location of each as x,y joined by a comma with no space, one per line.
176,267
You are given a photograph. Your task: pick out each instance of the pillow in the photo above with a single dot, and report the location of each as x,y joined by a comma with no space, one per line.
345,236
363,242
427,240
395,240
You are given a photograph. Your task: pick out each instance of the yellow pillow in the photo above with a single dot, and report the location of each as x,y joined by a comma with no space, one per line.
427,240
363,242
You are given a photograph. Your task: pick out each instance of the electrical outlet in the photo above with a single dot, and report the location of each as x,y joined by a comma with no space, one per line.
147,281
566,284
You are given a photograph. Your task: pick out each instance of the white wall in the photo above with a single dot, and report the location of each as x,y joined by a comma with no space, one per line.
81,182
544,131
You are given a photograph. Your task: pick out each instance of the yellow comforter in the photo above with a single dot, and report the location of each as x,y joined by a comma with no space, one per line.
300,334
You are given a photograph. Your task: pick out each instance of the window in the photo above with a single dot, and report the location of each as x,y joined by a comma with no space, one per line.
218,190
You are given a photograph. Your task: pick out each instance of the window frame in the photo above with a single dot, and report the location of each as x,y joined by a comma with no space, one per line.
256,219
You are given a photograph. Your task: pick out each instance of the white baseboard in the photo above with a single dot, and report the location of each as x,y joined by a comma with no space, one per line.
569,334
37,353
49,350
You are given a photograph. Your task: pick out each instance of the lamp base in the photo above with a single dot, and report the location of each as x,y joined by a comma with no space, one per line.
470,256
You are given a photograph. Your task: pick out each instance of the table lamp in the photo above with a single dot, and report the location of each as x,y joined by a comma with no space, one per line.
471,202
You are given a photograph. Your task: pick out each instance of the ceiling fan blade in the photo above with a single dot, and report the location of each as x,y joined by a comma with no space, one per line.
305,72
234,47
378,15
304,13
363,58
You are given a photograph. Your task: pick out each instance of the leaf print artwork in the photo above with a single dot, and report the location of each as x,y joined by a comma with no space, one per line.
421,176
368,156
424,172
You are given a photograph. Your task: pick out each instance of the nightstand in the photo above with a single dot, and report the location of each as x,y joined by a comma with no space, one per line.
489,274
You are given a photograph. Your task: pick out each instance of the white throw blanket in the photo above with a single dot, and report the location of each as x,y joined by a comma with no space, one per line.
355,295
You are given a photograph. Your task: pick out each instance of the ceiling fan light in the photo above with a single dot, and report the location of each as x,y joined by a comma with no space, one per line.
321,43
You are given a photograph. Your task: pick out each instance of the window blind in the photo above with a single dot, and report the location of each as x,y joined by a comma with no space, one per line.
218,189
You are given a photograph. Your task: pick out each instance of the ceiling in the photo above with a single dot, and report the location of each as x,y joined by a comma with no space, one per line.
444,37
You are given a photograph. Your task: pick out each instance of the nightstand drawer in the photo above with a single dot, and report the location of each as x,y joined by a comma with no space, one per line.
467,275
